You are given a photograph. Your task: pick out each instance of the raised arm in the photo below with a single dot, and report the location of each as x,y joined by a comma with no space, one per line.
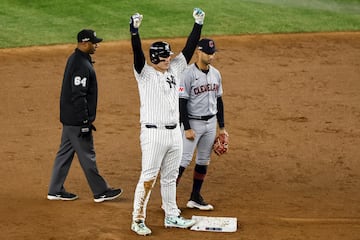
194,36
139,58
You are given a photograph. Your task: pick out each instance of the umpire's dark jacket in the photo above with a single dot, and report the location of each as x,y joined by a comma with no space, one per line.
79,91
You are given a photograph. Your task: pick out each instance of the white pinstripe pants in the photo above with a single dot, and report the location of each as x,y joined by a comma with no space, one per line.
161,153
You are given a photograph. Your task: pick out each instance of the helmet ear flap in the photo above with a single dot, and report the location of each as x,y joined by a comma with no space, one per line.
154,58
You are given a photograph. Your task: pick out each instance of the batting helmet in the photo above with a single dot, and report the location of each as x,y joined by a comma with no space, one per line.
159,49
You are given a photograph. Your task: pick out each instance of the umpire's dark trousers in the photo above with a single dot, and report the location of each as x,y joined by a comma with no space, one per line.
71,142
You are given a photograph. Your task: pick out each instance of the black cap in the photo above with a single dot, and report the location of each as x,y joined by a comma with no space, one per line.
207,46
88,35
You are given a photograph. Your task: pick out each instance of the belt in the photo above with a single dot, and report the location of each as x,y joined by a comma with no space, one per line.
166,126
205,118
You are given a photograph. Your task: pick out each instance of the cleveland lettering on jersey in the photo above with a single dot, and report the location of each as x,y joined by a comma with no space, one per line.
206,88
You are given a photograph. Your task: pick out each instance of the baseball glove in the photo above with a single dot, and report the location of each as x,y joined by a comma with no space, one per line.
221,143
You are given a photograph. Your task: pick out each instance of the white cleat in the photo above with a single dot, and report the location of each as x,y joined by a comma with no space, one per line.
140,228
178,222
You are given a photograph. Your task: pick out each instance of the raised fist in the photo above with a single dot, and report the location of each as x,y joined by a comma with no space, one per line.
199,16
135,21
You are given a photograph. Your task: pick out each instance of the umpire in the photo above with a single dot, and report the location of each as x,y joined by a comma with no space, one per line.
78,102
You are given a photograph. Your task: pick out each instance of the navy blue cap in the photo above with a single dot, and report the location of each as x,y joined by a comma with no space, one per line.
207,46
88,35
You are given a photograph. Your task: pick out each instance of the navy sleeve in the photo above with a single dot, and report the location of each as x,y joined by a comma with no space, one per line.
80,82
139,58
220,113
184,113
192,41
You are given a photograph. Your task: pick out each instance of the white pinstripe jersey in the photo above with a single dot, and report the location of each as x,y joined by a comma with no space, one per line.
201,90
159,92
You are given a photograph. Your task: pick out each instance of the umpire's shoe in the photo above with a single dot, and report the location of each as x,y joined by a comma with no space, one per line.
197,201
109,194
65,196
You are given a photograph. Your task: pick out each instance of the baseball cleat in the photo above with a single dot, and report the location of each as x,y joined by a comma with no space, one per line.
178,222
110,194
65,196
204,207
140,228
197,201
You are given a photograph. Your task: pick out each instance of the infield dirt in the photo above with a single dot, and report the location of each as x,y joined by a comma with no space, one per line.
292,109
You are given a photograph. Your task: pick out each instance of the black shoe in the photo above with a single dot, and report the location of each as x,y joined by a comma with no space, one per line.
197,201
65,196
109,194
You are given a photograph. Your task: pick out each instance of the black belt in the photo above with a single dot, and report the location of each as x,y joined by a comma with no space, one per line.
205,118
166,126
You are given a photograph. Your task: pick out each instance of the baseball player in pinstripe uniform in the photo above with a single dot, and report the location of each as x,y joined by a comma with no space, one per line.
201,108
160,136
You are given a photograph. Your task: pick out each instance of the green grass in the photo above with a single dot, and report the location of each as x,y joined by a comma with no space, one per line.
44,22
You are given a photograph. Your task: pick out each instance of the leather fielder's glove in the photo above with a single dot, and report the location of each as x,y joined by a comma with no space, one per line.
199,15
135,21
221,143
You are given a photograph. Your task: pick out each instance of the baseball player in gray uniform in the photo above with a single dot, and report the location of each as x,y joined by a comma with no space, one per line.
201,108
160,136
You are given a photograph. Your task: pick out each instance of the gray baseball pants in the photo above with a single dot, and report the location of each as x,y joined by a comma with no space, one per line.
71,143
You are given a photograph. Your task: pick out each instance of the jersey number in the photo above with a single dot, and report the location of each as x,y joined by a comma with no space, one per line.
80,81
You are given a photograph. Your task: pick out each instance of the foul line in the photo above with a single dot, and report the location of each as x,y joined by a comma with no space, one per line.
320,220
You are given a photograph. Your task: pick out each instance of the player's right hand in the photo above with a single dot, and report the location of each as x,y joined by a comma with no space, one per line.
190,134
199,16
135,21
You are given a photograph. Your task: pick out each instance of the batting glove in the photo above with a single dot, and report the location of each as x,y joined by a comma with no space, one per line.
199,16
135,21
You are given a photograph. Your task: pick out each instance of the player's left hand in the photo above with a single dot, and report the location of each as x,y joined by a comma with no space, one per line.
135,22
221,143
199,16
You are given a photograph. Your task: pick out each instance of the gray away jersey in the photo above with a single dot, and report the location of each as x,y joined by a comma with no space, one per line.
201,90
